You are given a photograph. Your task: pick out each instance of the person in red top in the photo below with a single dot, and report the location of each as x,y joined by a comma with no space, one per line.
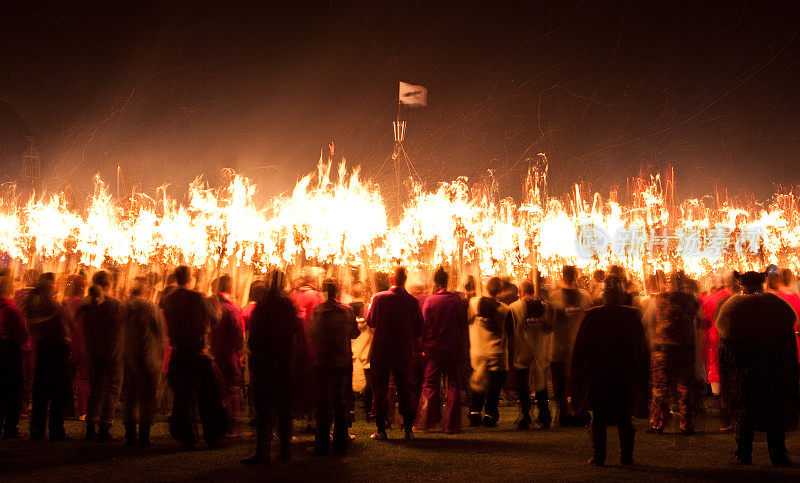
76,289
306,298
13,334
257,290
397,320
440,346
226,341
781,284
722,289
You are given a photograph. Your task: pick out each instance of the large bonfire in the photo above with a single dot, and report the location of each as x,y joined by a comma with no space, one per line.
342,222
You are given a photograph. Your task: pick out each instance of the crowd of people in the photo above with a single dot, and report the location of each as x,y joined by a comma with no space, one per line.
611,348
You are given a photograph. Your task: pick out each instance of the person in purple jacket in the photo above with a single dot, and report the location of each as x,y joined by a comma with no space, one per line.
396,318
439,344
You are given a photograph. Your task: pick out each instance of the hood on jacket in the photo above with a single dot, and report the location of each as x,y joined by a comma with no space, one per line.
534,309
487,308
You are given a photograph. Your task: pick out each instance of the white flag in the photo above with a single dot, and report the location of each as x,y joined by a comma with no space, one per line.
412,95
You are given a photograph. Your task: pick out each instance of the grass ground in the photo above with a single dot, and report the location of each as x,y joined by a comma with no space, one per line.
478,454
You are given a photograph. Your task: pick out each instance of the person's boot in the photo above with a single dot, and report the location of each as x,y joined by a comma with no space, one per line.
261,457
104,435
725,425
744,453
525,422
489,421
626,441
545,418
778,454
598,435
564,420
91,432
285,453
131,438
144,434
474,419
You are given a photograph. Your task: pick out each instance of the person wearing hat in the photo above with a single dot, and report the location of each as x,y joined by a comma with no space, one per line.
759,371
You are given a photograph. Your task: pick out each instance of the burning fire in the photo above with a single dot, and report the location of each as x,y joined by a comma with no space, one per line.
343,222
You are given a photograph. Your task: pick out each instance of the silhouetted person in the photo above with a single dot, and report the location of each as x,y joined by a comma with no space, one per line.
396,318
226,341
142,355
29,280
440,345
73,295
568,304
274,346
531,353
462,335
489,328
610,370
674,321
100,316
758,368
330,331
13,334
190,372
51,383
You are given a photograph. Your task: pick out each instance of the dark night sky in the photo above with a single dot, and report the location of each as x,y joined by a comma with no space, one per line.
172,90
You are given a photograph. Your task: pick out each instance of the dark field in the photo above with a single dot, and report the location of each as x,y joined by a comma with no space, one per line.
479,454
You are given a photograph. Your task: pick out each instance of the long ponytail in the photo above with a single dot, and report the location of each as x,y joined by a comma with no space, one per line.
96,294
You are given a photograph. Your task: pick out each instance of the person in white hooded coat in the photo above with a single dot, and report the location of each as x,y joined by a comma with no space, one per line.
489,329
